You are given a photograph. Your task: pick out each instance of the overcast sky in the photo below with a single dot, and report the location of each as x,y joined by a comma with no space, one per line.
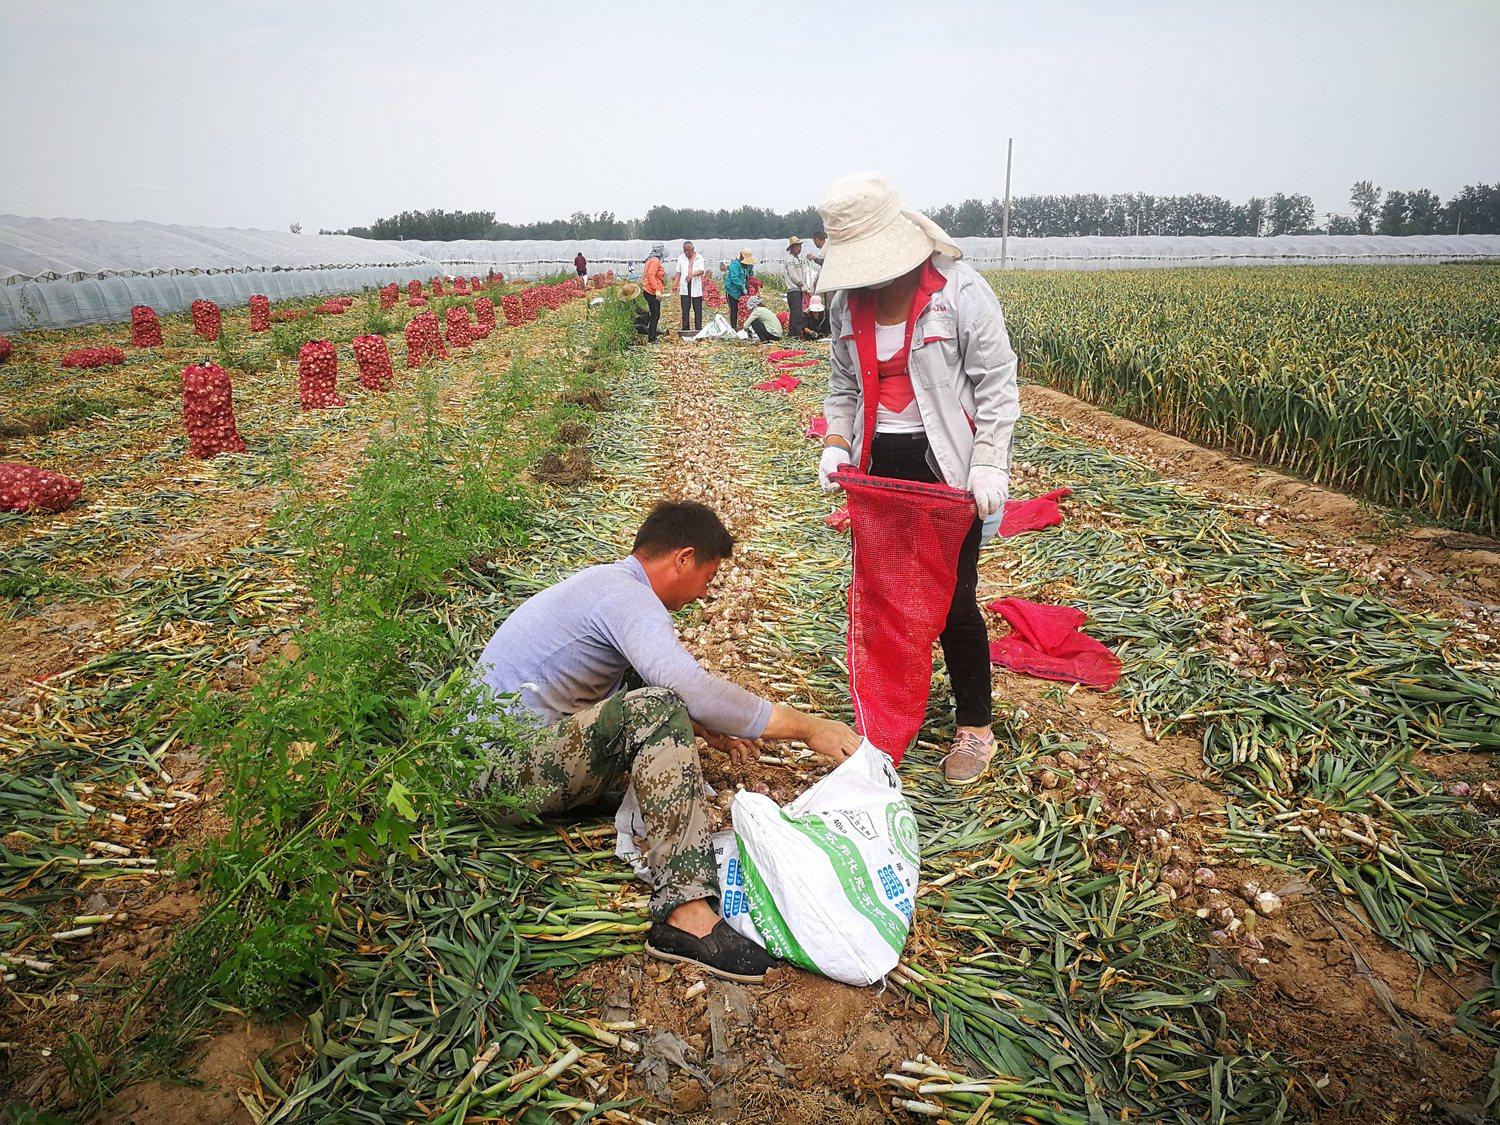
332,113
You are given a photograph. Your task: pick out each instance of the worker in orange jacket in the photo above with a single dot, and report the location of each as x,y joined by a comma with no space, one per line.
653,285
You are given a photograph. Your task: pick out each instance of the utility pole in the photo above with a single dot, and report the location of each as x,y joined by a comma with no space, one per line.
1005,215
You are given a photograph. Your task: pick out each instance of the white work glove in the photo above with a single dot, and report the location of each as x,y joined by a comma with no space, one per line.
989,486
834,458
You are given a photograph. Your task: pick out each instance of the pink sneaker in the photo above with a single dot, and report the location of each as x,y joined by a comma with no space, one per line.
969,760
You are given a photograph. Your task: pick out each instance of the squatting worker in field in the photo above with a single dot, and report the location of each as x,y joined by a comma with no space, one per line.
564,653
689,277
922,373
762,323
653,285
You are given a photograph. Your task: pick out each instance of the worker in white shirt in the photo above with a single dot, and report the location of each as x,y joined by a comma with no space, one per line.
796,284
690,270
815,261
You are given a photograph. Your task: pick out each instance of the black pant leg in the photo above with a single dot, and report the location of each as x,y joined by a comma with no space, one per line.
794,313
734,312
687,307
653,324
966,641
698,313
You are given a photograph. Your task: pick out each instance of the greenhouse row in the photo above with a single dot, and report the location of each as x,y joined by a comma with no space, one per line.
57,273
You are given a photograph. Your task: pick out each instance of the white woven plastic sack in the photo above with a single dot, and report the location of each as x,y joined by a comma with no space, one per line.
831,879
719,328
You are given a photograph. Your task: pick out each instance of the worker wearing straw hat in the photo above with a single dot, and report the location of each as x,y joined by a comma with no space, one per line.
922,386
737,283
795,270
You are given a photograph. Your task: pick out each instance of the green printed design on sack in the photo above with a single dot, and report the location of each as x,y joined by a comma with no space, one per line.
902,826
768,919
849,866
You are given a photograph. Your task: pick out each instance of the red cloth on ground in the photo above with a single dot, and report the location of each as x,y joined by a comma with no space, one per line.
793,364
785,353
1033,514
907,538
1046,642
785,383
838,519
817,428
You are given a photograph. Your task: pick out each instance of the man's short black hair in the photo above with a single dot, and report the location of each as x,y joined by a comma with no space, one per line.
675,524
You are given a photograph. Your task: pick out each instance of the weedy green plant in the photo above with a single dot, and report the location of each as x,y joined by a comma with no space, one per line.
1382,381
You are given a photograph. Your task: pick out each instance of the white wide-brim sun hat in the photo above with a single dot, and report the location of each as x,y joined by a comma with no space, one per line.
872,236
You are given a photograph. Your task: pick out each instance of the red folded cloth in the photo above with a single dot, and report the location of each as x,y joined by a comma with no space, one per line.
772,357
793,364
816,428
838,519
1045,642
786,383
1033,514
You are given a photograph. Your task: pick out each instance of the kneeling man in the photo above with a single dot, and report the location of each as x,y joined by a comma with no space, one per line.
565,652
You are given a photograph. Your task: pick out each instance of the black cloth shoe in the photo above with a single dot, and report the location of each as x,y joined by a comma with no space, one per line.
724,953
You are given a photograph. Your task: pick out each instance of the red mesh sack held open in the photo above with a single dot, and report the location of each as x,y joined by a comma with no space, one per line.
145,329
260,313
27,489
459,335
206,319
373,355
907,537
318,375
208,411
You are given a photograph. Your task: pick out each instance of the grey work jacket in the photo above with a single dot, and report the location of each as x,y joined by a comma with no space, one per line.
962,368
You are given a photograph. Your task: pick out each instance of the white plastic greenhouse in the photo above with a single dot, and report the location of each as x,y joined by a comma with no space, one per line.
55,273
536,258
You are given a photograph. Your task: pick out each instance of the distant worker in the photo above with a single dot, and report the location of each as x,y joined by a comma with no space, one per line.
921,387
815,320
581,264
564,656
796,285
762,323
815,261
653,285
689,277
737,283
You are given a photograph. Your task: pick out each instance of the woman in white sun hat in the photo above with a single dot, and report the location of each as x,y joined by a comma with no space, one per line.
922,386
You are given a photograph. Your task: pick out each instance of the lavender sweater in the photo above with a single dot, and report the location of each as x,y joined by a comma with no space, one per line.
567,648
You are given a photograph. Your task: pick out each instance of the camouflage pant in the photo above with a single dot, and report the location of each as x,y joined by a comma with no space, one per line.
647,735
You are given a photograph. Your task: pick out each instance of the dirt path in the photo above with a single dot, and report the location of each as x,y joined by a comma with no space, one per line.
800,1048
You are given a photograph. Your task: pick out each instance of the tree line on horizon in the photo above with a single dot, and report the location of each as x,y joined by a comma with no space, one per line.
1474,210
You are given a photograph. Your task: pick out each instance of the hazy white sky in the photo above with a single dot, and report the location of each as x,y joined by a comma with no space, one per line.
332,113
